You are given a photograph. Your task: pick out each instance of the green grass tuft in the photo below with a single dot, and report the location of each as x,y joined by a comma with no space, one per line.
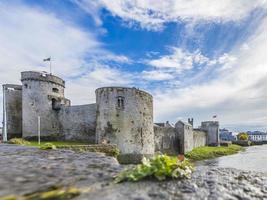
19,141
160,166
48,146
203,153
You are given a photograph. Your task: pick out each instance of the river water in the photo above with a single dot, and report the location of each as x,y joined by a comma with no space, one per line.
252,159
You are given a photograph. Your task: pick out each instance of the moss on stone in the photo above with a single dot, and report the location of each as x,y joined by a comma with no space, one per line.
10,197
108,149
54,194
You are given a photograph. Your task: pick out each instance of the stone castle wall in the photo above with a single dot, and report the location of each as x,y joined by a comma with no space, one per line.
13,107
121,116
199,138
78,122
186,136
167,140
125,117
212,129
179,139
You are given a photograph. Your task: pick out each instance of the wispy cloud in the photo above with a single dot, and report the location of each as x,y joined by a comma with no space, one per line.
179,59
156,75
152,15
236,94
29,34
184,82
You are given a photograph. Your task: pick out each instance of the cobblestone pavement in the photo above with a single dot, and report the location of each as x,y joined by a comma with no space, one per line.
25,169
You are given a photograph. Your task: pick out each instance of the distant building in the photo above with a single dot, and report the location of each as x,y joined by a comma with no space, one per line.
257,136
226,135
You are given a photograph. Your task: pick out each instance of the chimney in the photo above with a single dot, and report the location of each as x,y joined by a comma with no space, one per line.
191,121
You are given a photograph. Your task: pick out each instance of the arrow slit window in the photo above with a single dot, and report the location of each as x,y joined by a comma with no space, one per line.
120,102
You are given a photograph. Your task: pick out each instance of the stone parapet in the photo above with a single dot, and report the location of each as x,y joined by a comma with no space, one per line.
42,76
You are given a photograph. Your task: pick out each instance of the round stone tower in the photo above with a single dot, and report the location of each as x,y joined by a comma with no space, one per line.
42,95
125,118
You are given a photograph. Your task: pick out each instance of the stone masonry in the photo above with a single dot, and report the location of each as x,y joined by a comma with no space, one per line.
121,116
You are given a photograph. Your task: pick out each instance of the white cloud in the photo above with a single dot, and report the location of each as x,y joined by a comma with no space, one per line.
92,8
151,14
180,60
82,89
227,61
237,95
30,34
156,75
244,47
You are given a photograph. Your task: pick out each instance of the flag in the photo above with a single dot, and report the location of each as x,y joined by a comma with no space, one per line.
47,59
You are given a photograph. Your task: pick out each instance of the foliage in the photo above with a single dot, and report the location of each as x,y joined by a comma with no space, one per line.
160,167
202,153
58,194
108,149
51,194
48,146
242,136
19,141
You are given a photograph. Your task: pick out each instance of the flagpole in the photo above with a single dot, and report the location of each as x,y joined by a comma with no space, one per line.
50,66
50,63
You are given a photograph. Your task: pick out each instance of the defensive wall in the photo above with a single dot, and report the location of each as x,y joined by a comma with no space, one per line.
77,123
167,139
180,138
12,107
121,116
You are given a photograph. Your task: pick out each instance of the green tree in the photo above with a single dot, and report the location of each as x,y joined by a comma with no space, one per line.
242,136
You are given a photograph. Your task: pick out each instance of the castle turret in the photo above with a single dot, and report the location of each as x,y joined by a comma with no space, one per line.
125,118
212,129
42,95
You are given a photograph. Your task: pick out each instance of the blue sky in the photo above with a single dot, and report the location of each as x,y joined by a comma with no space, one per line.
198,58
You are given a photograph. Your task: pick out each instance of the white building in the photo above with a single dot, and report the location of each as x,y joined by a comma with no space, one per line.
257,136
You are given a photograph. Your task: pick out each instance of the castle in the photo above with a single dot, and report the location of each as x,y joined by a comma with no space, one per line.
121,116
